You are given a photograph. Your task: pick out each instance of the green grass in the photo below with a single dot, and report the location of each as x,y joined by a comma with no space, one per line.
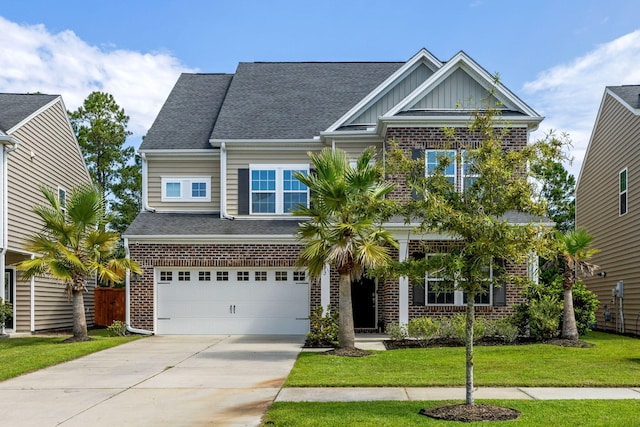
21,355
613,362
558,413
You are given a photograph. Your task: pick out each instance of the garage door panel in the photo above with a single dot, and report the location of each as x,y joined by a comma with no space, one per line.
231,307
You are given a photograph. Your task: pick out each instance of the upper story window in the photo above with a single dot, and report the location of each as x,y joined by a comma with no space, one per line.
186,189
622,190
62,198
469,171
275,190
437,158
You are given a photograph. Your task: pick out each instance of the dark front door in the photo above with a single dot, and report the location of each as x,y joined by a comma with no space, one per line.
8,295
363,295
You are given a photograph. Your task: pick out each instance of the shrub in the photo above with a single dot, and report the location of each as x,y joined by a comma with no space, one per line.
503,328
117,329
396,331
544,317
423,329
323,328
459,323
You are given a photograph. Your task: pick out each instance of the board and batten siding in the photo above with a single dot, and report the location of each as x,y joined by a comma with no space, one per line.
394,96
355,149
56,162
614,146
205,166
459,90
241,159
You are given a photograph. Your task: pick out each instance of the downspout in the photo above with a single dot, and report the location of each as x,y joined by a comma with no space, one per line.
128,296
145,184
6,141
32,302
223,182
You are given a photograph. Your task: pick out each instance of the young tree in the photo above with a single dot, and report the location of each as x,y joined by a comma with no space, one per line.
343,229
100,125
74,246
477,215
572,259
127,194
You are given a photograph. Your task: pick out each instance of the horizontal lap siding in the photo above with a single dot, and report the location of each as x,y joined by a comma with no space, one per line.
176,167
56,162
613,147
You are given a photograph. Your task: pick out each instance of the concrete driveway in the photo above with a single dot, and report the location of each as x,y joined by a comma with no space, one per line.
156,381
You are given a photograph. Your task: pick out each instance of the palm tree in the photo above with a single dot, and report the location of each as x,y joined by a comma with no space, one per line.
343,230
73,246
572,259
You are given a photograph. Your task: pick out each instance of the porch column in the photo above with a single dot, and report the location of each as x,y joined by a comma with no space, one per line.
325,288
403,288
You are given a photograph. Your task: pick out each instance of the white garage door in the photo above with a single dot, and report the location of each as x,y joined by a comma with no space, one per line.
258,301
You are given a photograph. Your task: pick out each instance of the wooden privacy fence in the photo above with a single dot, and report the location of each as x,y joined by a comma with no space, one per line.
109,305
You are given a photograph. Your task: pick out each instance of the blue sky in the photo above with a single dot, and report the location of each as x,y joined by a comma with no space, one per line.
557,56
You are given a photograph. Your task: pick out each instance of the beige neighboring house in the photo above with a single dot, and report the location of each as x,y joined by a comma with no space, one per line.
40,148
608,206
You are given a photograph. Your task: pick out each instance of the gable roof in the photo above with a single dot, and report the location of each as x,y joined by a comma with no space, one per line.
279,100
628,95
186,119
16,107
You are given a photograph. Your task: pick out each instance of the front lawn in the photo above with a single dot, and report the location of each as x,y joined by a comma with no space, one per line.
21,355
614,361
559,413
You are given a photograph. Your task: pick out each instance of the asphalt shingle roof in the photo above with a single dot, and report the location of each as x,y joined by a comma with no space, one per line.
184,224
629,94
15,107
186,119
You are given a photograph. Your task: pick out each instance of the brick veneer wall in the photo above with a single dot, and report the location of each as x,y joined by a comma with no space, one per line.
199,255
425,138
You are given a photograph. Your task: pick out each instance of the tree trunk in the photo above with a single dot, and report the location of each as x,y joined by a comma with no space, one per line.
469,347
346,334
79,319
569,328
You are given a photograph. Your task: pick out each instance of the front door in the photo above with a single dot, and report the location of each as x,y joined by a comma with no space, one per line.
363,296
8,295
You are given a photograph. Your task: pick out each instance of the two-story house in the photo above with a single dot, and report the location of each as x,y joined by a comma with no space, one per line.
216,238
40,148
607,206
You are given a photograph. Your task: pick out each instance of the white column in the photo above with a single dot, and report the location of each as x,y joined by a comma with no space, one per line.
403,288
325,288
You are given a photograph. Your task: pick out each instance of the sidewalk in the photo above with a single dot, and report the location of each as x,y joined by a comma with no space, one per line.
375,342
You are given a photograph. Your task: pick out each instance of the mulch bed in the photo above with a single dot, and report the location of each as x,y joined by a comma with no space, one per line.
348,352
470,413
487,341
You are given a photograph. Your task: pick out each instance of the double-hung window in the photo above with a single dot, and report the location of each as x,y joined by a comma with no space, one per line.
434,159
469,171
275,190
622,191
186,189
62,199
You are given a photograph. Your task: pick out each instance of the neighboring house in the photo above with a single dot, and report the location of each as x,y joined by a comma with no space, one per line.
216,240
607,205
40,148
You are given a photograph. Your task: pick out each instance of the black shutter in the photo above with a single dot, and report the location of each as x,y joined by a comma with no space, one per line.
417,286
500,290
243,191
416,153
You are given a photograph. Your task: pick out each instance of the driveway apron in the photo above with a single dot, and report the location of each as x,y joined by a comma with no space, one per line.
156,381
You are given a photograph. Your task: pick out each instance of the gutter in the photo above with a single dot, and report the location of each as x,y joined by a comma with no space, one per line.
223,182
128,297
145,189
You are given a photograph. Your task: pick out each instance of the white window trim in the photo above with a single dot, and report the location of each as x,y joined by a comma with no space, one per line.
185,188
464,176
64,208
455,163
625,192
279,169
458,294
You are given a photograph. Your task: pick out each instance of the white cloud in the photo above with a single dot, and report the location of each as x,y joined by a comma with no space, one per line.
569,95
35,60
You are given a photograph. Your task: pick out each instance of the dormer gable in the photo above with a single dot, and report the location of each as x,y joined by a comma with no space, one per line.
461,84
395,88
